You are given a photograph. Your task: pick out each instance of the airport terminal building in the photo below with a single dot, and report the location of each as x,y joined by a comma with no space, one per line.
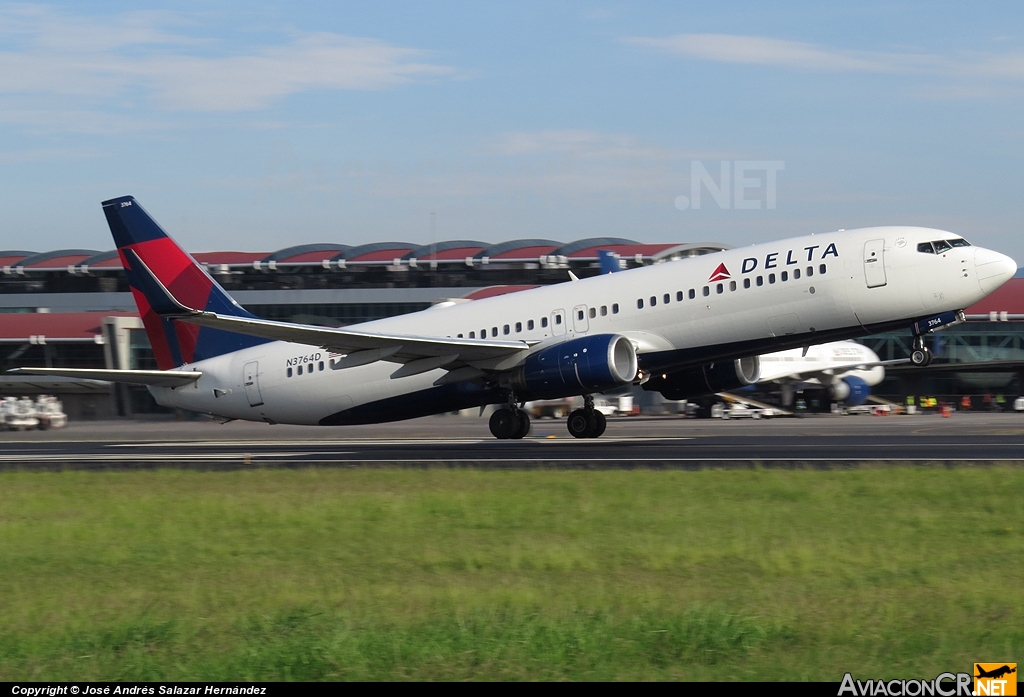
73,307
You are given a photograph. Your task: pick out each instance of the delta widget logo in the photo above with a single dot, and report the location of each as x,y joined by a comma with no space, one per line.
719,274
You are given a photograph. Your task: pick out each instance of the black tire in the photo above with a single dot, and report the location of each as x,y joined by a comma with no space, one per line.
522,425
921,357
600,424
579,424
503,424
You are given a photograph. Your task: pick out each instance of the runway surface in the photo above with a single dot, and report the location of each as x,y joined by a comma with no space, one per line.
814,441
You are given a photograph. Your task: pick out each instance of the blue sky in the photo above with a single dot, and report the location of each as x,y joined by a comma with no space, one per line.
255,126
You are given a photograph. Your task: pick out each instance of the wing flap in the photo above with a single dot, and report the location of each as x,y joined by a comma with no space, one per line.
156,378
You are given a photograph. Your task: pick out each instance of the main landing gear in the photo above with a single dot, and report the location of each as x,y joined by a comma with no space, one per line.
920,355
510,422
586,422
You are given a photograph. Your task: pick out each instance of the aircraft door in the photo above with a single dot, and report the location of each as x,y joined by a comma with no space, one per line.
251,381
874,263
558,322
580,323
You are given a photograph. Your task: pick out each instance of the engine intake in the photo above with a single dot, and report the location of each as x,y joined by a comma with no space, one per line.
707,379
578,366
851,391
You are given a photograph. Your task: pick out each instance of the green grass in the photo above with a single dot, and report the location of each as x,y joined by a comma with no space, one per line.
462,574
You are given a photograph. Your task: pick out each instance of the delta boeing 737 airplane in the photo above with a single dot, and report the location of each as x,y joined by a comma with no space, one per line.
684,328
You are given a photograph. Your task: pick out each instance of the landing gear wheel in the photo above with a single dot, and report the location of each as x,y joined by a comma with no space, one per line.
522,425
580,423
504,424
921,357
600,423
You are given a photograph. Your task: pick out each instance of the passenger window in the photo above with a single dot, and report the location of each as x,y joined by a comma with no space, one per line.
679,296
593,312
615,308
579,314
666,298
640,303
299,370
796,274
483,333
558,319
460,336
941,246
472,335
810,271
494,331
771,278
529,325
706,291
693,294
821,268
321,365
732,285
604,310
505,329
543,321
289,372
959,243
519,327
926,248
719,288
785,276
654,300
746,282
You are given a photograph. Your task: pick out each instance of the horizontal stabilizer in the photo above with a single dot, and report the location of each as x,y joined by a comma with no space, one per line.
156,378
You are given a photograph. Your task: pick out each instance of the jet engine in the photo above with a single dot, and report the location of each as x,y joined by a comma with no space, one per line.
578,366
707,379
851,391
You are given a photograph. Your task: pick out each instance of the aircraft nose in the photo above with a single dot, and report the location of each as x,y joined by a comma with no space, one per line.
993,269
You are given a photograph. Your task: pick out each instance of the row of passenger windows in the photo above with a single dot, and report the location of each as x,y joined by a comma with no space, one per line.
308,368
940,246
720,287
531,325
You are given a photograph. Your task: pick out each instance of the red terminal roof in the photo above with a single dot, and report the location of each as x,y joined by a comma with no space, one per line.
1008,298
494,291
70,325
229,257
526,253
623,250
382,254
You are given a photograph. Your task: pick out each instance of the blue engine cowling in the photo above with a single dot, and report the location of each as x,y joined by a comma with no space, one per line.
578,366
851,391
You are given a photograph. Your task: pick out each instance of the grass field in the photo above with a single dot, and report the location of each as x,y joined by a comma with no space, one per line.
455,574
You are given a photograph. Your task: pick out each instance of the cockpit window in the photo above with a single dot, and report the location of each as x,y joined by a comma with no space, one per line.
925,247
959,243
941,246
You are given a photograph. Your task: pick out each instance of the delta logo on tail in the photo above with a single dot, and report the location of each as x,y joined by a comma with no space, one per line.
719,274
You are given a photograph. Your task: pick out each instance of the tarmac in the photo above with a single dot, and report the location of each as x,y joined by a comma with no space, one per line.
815,441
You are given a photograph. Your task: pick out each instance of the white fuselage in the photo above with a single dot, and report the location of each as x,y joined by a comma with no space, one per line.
831,299
822,364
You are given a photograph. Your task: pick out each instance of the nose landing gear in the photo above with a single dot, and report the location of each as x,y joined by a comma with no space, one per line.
586,422
920,355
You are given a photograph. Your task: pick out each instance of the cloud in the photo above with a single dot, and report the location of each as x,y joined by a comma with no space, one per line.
761,50
977,74
144,56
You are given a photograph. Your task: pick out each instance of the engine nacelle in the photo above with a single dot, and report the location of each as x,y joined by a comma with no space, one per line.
851,391
578,366
707,379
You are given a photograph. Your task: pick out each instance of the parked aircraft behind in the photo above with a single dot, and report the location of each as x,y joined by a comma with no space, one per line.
846,369
683,328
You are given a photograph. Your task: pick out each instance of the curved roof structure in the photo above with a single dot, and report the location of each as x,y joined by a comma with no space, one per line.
376,251
57,259
573,248
449,249
519,249
307,253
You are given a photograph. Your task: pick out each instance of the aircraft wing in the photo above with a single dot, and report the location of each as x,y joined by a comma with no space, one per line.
362,347
157,378
399,348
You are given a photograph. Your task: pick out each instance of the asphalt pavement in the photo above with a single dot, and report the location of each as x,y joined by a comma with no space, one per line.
818,441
